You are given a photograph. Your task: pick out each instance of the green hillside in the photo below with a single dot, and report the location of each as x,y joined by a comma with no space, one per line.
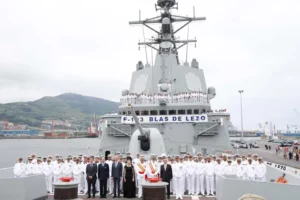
72,107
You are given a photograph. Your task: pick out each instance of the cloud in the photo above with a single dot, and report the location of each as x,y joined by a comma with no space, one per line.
52,47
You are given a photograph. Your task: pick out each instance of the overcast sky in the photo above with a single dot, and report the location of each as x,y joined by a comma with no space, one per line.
87,47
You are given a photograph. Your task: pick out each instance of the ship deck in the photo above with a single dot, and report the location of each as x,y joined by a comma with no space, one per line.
269,155
84,197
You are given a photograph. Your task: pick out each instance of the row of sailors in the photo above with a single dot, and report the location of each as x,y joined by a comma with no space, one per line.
193,174
197,175
184,97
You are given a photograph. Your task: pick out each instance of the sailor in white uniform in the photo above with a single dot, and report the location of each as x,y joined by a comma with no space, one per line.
200,97
20,168
67,168
141,173
34,161
110,182
260,170
152,168
30,167
84,180
209,173
250,170
229,170
244,161
48,171
200,175
205,98
240,169
186,97
57,170
170,98
44,161
38,168
178,172
219,170
191,175
255,160
77,173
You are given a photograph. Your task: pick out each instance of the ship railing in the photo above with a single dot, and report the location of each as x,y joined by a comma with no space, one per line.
167,100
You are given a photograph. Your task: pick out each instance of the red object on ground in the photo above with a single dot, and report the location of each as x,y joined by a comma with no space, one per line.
141,172
66,179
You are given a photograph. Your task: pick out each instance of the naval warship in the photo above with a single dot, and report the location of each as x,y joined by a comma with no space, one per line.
170,97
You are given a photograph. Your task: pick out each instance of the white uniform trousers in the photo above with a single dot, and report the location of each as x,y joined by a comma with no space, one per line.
215,182
97,185
186,183
181,187
140,193
49,183
177,187
110,185
56,177
191,184
77,178
171,186
210,184
82,181
121,184
85,184
200,184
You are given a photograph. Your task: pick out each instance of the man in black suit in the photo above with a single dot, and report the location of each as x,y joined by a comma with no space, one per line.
116,173
166,175
91,176
103,175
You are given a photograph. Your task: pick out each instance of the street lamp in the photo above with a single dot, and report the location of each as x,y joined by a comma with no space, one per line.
241,91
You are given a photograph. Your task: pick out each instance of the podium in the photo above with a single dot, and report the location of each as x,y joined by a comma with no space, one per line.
154,191
65,190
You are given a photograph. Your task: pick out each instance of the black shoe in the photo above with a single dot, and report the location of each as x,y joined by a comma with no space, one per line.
114,197
168,197
89,197
93,196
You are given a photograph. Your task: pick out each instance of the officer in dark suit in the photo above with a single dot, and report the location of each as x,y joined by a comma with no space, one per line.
91,176
116,173
166,175
103,175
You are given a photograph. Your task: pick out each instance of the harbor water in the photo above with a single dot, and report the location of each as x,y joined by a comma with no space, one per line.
12,149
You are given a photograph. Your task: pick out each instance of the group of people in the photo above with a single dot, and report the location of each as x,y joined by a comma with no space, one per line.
291,153
188,174
183,97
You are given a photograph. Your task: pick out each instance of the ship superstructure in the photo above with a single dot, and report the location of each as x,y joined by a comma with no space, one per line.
169,96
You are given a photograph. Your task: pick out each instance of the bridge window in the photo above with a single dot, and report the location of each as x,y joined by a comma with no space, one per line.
124,113
196,111
163,112
137,112
189,112
129,113
181,112
153,112
172,112
145,112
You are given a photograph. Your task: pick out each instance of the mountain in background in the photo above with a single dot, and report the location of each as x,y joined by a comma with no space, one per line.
74,108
